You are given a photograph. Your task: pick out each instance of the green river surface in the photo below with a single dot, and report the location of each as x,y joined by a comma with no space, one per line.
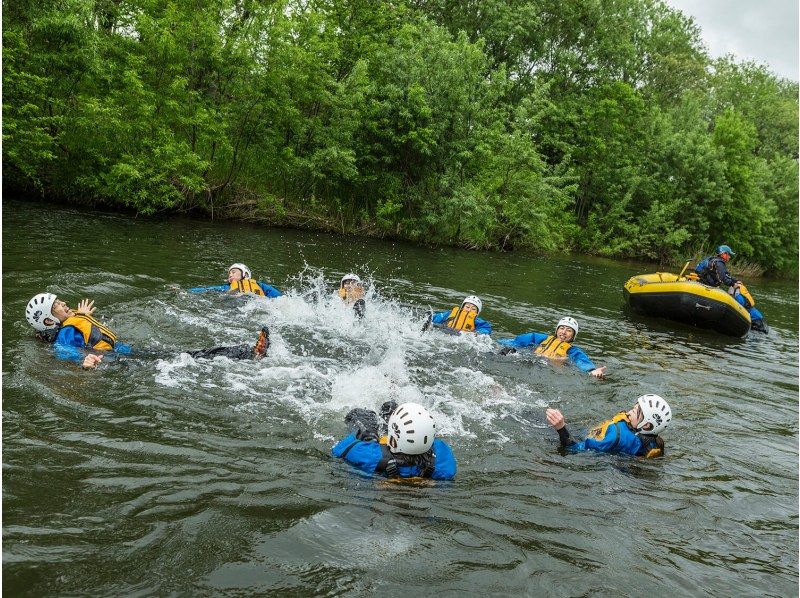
178,476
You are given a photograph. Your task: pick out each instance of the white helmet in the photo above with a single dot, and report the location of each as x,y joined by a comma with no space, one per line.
245,270
656,411
351,276
474,300
569,323
40,308
411,429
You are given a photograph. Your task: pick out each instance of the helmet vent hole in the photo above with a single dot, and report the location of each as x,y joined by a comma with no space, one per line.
425,441
407,422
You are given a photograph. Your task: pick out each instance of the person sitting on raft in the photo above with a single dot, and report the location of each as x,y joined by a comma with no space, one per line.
72,332
409,448
635,432
556,347
241,282
461,319
712,271
352,293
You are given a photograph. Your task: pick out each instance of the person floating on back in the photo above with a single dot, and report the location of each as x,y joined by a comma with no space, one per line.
635,432
352,293
409,449
556,347
460,319
73,332
241,282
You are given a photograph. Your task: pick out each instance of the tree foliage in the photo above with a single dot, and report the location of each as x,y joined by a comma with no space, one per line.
599,126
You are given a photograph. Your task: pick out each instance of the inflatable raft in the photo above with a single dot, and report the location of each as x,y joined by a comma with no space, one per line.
675,297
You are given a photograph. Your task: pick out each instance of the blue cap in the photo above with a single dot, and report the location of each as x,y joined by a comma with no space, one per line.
725,249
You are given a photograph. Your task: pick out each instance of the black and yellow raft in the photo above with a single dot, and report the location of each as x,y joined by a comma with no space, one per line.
675,297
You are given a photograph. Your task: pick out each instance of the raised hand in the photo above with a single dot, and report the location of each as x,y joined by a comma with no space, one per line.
86,307
555,418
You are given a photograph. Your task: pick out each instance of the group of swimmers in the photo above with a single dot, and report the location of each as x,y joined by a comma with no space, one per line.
401,440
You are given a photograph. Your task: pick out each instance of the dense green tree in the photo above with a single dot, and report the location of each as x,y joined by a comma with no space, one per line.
595,125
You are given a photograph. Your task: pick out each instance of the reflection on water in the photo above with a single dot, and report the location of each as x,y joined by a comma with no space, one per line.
167,474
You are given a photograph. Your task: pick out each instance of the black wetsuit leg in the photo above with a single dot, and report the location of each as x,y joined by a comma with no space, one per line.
236,352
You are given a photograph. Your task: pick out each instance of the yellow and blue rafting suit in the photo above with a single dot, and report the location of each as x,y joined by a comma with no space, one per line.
549,346
460,321
80,332
615,436
746,300
245,286
374,457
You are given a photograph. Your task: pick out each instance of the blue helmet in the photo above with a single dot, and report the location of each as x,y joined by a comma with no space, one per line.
725,249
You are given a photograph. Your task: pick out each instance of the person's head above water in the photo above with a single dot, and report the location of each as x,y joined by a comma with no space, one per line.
349,280
45,312
237,272
472,303
411,429
650,414
725,252
567,329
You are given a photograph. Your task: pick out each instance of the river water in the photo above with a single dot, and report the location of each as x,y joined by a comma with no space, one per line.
178,476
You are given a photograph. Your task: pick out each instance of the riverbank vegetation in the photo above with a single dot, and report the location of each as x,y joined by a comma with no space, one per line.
599,126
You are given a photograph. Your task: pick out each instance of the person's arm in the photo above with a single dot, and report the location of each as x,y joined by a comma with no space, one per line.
556,419
482,326
725,276
579,358
122,348
445,466
69,344
220,288
530,339
363,454
440,317
269,291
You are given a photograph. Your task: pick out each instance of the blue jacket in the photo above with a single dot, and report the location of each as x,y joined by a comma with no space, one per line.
222,288
754,313
366,455
69,345
533,339
618,438
481,325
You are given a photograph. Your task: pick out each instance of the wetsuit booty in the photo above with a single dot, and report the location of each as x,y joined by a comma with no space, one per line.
262,344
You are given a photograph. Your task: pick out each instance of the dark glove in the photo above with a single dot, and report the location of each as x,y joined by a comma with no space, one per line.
363,423
387,409
507,350
428,321
360,307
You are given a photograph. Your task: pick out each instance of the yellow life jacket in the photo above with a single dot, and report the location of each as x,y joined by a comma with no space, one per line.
552,348
599,432
246,285
743,290
95,335
351,296
460,319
